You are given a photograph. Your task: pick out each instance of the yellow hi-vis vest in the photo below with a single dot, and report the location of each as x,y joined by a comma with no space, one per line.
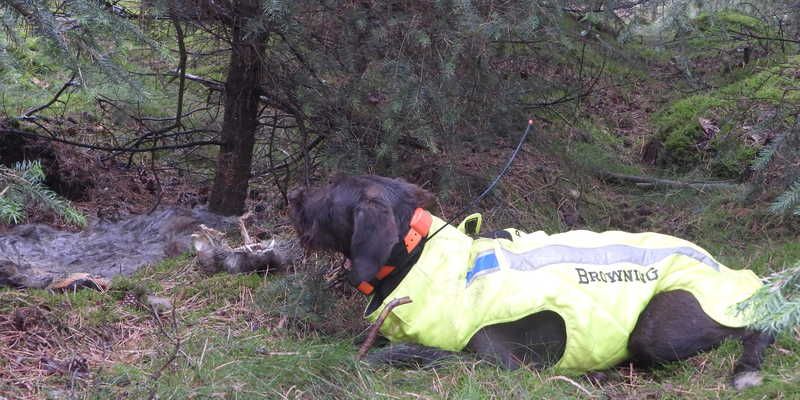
598,283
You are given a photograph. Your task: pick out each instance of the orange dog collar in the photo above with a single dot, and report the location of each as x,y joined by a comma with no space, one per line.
419,227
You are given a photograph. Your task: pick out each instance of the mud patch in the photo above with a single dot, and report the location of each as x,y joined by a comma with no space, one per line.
33,255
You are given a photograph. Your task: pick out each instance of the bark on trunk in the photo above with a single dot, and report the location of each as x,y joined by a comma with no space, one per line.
229,190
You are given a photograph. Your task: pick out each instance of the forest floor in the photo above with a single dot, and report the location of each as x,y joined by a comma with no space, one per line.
290,336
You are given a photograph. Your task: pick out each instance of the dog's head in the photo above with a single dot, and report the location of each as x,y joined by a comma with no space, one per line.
362,217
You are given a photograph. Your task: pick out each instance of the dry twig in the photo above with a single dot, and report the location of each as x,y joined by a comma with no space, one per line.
175,349
243,229
373,330
571,382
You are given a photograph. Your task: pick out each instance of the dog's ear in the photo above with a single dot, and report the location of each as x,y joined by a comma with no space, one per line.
374,235
421,197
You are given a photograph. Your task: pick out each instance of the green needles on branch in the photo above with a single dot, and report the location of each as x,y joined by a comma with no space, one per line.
22,186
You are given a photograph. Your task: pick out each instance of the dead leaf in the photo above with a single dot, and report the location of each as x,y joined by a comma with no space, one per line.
709,127
80,280
40,83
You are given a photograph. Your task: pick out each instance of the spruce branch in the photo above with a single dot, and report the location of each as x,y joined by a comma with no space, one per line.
767,153
790,199
131,149
24,185
776,306
72,31
70,82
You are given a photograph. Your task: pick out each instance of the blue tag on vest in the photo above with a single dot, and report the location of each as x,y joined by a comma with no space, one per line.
484,264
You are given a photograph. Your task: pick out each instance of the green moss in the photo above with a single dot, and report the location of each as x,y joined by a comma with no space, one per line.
681,116
729,20
679,146
679,129
743,20
775,84
727,155
732,159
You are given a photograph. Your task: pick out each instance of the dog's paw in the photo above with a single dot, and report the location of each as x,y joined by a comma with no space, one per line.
747,379
597,377
408,356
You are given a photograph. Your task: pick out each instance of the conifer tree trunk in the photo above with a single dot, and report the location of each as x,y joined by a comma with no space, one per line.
229,190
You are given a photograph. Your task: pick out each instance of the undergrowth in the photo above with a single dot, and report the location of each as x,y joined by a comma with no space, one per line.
754,99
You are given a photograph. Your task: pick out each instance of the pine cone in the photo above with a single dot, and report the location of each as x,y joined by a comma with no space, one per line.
130,299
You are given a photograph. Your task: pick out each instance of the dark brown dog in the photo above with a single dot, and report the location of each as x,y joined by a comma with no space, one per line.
365,218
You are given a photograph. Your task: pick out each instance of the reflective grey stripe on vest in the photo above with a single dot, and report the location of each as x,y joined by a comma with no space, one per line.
605,255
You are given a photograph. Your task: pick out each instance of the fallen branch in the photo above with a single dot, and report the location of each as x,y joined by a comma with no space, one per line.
373,330
647,181
759,37
601,6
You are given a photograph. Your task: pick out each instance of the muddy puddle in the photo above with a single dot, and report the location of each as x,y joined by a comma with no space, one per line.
34,255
